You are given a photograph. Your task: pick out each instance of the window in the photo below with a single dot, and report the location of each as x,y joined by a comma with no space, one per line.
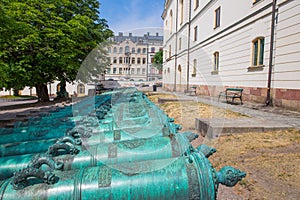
152,49
108,71
138,60
179,68
165,54
144,50
108,50
143,71
114,70
139,50
120,60
115,60
127,50
216,61
133,50
168,69
132,71
171,21
181,11
132,60
120,70
144,60
258,51
194,72
196,4
195,33
121,50
217,17
80,89
126,60
115,49
179,44
138,71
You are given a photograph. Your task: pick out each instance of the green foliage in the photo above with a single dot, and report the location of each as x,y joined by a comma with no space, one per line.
158,60
44,41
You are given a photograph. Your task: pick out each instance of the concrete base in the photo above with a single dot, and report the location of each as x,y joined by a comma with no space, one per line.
164,100
221,126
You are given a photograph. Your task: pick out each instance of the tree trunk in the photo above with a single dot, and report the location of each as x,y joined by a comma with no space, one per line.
16,92
42,92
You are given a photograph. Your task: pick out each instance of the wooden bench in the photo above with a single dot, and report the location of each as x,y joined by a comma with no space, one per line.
191,91
232,93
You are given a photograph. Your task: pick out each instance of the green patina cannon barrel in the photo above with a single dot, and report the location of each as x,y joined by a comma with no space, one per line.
20,148
105,154
186,177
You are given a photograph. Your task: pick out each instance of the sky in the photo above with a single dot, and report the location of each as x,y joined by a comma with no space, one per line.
134,16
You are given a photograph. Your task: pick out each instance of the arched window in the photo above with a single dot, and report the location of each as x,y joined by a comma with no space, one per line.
258,51
127,49
144,50
194,72
139,50
133,50
121,50
80,89
196,4
115,50
181,11
216,61
179,68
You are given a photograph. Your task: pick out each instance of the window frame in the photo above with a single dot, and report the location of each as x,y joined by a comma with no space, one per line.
194,72
258,48
216,66
217,15
195,33
196,4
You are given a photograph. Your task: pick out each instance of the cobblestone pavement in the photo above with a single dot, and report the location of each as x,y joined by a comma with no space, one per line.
258,111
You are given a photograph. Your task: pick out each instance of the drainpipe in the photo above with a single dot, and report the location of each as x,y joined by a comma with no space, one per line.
175,55
269,99
189,45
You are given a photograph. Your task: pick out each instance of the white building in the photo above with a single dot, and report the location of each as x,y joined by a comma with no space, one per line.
132,57
213,44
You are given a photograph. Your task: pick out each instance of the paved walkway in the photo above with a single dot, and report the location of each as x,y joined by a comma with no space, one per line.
272,114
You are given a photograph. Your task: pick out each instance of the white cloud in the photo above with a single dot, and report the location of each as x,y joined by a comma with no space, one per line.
138,20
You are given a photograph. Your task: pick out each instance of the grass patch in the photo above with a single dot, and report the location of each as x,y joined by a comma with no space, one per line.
16,97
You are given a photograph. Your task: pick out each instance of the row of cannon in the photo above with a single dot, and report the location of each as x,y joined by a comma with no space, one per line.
117,145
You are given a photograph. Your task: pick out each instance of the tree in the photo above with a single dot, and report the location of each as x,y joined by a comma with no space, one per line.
48,40
158,60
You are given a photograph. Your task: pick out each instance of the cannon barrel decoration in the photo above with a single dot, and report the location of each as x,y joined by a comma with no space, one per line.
117,145
106,153
186,177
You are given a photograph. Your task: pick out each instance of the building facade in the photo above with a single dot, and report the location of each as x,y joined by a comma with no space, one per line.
251,44
132,57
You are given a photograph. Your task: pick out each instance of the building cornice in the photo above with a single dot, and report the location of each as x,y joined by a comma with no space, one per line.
166,6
